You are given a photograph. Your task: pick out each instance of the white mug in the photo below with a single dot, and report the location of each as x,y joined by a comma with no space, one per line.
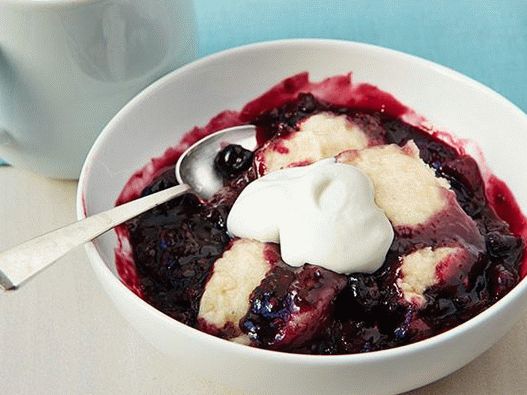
67,66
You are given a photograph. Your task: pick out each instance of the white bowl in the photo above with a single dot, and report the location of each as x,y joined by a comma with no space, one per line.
190,96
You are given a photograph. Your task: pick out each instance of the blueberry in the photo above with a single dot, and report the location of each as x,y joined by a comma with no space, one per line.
232,161
500,245
502,280
307,103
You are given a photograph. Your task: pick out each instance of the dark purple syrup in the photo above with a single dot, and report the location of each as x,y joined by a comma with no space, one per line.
310,309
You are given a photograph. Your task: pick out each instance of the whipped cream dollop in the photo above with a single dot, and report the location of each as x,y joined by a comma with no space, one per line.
323,214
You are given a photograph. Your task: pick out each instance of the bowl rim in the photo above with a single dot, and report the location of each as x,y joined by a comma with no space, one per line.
98,264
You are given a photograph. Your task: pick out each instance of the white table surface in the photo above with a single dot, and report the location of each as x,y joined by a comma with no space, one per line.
60,334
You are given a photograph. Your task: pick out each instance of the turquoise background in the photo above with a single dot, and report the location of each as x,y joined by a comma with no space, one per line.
484,39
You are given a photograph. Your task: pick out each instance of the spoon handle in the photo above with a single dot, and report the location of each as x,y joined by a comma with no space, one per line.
22,262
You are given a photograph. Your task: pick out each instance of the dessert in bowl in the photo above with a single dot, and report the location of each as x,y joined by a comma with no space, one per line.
450,256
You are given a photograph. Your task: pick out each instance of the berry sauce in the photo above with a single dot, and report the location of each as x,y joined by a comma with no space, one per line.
166,255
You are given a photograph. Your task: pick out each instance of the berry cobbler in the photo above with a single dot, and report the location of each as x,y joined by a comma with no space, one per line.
351,228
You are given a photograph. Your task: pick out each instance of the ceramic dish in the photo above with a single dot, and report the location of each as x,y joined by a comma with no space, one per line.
157,118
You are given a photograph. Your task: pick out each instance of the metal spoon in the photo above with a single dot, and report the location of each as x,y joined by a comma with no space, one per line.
194,171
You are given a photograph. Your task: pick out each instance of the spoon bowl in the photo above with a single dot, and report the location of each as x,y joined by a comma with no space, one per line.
195,167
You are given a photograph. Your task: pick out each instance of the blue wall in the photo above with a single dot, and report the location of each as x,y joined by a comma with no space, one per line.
485,39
